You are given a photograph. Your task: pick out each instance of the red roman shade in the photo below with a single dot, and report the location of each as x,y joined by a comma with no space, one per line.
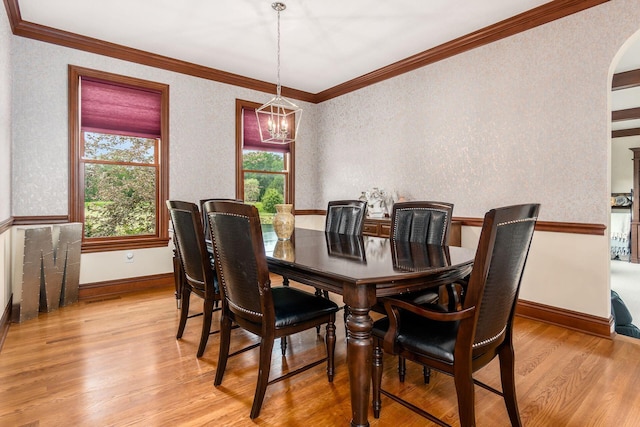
251,134
113,108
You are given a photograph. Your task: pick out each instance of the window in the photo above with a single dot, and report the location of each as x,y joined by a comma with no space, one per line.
265,172
119,160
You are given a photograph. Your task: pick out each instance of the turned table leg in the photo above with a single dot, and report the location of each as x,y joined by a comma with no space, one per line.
359,350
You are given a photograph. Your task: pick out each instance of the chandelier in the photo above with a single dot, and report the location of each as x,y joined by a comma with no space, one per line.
278,117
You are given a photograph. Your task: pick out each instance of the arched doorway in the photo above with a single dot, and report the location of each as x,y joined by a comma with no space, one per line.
625,137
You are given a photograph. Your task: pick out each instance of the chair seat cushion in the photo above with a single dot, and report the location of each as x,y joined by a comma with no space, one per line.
294,306
423,336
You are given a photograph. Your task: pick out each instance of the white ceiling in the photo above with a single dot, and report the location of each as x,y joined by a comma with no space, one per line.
323,42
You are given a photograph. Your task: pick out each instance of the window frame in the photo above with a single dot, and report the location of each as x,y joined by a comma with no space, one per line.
289,195
76,164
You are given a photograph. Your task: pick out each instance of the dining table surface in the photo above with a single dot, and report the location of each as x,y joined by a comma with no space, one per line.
362,269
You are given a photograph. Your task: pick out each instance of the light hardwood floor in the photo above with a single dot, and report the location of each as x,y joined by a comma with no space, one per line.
116,362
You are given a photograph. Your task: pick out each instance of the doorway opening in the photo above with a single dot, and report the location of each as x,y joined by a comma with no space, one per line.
625,183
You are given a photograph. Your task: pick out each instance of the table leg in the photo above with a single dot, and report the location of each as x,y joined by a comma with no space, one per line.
359,353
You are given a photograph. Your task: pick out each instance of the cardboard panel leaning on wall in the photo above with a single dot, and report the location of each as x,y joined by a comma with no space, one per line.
45,268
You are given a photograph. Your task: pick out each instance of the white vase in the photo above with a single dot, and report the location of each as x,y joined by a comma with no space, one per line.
284,221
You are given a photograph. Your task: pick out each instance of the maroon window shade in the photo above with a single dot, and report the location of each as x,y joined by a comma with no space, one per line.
251,134
114,108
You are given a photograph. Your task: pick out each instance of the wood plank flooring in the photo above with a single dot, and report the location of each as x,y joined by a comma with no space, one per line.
116,362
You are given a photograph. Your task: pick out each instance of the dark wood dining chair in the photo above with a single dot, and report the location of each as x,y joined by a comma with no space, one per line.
462,341
425,222
205,224
345,217
177,267
251,302
421,221
195,267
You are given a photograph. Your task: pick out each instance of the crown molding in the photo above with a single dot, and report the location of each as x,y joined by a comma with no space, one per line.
546,13
525,21
46,34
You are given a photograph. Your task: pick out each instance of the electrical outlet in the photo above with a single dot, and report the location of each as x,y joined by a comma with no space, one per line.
128,257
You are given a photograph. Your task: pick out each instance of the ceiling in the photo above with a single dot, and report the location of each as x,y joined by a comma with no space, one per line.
325,44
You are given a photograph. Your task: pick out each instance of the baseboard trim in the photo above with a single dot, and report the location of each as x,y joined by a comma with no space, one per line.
110,288
592,325
5,321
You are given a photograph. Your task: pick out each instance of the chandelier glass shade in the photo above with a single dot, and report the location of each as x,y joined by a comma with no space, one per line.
278,119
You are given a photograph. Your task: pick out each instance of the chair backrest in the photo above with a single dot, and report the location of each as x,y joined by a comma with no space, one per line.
345,216
190,244
205,224
497,271
241,264
421,222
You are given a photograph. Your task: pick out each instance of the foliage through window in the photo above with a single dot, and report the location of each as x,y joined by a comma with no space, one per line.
119,157
120,181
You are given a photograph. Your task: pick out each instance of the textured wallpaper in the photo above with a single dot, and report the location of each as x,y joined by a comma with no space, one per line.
202,130
524,119
5,118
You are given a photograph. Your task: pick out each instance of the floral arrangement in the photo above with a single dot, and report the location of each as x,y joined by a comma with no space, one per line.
379,201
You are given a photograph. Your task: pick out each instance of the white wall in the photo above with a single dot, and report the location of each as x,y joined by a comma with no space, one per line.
563,270
312,222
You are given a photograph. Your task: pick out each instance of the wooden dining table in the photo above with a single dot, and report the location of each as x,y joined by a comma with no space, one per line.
362,269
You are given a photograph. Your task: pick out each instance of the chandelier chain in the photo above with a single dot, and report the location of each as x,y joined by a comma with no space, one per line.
278,87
